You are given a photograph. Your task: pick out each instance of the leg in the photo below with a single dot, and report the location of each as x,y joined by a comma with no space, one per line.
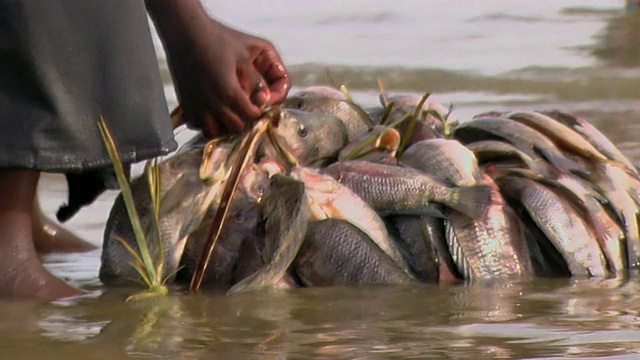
49,236
21,272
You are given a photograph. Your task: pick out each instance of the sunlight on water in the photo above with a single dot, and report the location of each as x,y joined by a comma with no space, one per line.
580,56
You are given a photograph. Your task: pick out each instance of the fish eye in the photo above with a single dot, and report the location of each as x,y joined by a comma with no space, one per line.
302,131
239,217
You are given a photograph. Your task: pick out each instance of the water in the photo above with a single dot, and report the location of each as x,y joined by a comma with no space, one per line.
579,56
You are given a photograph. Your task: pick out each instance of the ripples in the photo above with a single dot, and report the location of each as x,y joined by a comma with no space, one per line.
476,58
543,318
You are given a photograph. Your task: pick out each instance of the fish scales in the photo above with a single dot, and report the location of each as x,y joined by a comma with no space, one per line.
562,225
492,246
337,253
400,190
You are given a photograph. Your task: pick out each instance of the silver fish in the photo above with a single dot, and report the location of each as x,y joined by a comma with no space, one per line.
495,150
312,139
185,198
331,200
335,252
447,160
353,116
561,134
319,91
492,246
399,190
616,186
286,211
178,174
561,224
595,137
525,138
415,240
243,225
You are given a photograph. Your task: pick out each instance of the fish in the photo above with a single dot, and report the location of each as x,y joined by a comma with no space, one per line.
400,190
447,160
433,230
335,252
561,134
185,198
331,200
414,237
380,144
593,136
312,139
588,201
495,150
617,186
319,91
523,137
611,236
492,246
560,222
178,175
408,103
413,127
243,225
546,260
286,211
356,120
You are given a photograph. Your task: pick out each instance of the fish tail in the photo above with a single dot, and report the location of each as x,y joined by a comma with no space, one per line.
471,200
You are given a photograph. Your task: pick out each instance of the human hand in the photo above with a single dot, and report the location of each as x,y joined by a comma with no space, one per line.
222,77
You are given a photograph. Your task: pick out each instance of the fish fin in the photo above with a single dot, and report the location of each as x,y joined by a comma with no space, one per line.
471,201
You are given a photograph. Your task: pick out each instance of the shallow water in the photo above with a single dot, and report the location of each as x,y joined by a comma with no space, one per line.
575,55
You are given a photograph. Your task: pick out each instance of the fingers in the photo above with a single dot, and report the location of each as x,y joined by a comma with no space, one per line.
270,65
209,126
238,96
261,97
261,94
279,90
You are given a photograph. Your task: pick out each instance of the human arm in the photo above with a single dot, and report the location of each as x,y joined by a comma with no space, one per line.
216,69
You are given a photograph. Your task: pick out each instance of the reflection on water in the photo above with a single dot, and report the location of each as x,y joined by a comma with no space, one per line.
503,55
549,318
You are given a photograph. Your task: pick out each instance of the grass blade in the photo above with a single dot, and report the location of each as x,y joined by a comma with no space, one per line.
246,151
412,123
147,263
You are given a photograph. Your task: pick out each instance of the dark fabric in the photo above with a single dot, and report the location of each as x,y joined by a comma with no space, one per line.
84,189
63,65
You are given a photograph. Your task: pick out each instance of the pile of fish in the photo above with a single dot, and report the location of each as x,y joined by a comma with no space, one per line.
402,193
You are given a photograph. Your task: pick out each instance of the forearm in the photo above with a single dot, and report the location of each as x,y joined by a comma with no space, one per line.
177,20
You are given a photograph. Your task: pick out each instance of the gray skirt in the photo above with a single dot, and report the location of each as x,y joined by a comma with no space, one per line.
64,64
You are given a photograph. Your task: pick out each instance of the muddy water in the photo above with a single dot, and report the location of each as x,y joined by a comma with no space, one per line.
575,55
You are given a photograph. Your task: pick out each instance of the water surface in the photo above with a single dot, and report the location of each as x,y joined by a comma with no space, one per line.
576,55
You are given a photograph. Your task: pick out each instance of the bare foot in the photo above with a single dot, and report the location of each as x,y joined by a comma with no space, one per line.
21,273
29,279
49,236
